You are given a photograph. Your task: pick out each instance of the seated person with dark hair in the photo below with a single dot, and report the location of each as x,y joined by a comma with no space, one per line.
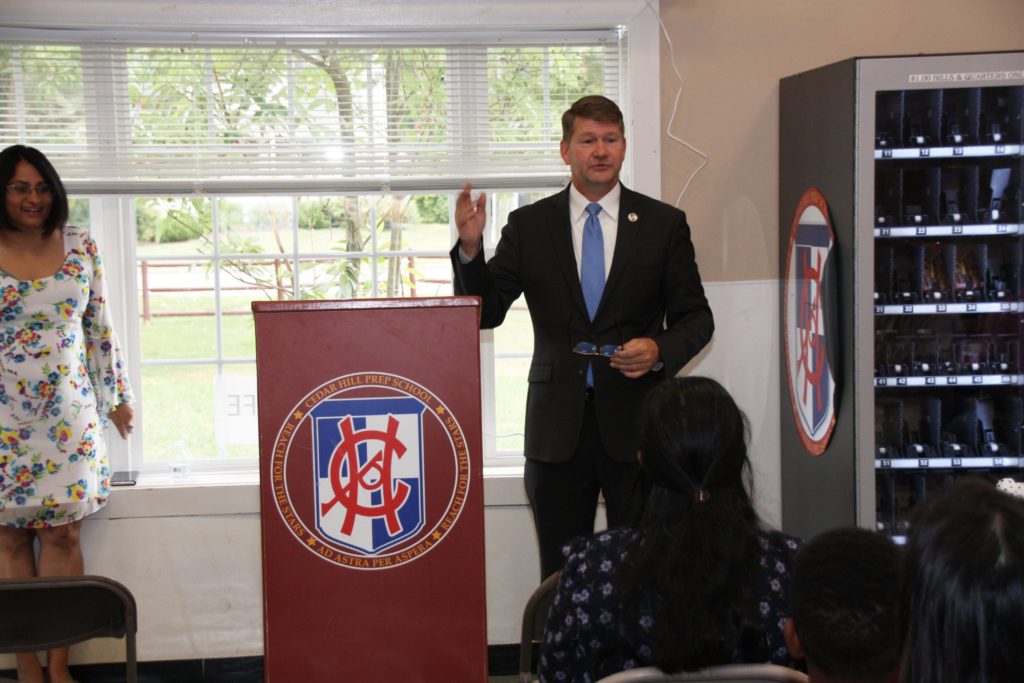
700,581
962,595
844,597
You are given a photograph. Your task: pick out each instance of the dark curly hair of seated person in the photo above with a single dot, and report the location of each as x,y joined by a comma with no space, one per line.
962,608
844,594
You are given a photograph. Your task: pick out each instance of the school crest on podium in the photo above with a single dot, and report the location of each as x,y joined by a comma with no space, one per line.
370,471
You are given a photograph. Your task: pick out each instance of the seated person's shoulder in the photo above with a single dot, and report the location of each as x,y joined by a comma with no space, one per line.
779,545
611,545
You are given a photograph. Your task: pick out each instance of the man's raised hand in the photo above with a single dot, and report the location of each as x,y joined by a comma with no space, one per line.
470,219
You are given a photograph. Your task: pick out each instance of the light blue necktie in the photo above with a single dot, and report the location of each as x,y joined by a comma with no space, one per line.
592,267
592,260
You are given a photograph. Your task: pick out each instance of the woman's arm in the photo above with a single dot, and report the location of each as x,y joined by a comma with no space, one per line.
103,354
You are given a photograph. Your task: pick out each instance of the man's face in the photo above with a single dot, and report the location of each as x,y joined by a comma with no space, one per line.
594,153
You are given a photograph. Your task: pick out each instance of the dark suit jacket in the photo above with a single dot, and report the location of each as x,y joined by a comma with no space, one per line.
653,290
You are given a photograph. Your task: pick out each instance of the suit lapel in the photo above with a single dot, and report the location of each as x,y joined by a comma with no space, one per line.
560,229
625,243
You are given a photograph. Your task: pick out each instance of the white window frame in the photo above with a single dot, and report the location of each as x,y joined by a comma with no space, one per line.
643,171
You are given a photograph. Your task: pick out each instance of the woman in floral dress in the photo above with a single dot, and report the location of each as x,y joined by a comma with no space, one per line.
61,380
700,582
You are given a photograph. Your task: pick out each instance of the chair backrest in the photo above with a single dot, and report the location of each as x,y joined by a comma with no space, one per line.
47,612
535,618
731,673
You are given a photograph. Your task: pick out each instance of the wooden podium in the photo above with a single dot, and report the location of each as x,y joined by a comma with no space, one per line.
371,490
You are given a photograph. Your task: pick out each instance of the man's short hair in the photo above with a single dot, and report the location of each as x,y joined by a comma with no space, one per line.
845,595
594,107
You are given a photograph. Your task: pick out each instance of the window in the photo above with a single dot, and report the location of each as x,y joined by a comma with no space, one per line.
218,169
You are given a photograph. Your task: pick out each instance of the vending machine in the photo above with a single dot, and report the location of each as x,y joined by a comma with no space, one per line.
901,184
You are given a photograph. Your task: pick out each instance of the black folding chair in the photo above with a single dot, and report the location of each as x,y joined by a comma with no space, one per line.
49,612
535,618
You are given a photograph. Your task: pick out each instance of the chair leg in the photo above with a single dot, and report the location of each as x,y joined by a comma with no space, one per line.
130,664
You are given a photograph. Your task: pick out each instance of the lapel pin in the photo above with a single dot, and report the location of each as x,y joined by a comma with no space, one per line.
632,218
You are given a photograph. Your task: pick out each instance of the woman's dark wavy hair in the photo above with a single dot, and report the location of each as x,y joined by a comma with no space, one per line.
9,159
694,565
962,610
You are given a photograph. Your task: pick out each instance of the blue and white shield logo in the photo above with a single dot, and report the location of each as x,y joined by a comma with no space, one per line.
368,456
809,320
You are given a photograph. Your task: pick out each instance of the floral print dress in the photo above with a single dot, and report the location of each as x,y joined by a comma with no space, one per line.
61,372
584,638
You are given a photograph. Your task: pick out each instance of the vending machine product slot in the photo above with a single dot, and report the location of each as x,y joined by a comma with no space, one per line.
889,437
888,194
960,116
923,419
920,199
951,186
889,121
937,274
1002,272
1000,119
989,443
908,274
1009,421
921,118
883,275
926,357
968,277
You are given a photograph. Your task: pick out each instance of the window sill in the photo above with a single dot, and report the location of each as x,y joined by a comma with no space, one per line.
237,493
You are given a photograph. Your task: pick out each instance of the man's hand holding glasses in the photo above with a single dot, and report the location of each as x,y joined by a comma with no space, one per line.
637,357
633,359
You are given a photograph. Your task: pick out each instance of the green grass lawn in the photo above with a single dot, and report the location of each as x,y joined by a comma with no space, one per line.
179,409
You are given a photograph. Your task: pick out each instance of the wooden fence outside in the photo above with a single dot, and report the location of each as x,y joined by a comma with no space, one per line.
280,291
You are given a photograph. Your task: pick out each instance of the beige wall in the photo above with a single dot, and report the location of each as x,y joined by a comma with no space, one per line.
731,55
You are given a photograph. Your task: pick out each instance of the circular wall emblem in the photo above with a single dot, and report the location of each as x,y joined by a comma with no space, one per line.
808,313
370,471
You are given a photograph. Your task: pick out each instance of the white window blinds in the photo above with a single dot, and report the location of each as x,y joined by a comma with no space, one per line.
164,113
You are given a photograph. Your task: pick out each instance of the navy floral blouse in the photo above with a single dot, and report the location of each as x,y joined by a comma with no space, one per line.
584,629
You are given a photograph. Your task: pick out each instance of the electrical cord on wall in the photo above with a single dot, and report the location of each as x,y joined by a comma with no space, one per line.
675,104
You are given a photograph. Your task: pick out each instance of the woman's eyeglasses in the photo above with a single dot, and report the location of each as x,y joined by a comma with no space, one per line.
24,189
592,349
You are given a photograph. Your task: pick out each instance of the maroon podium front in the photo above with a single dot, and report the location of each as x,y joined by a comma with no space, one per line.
371,490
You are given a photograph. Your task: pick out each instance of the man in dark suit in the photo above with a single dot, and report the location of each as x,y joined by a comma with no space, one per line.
616,303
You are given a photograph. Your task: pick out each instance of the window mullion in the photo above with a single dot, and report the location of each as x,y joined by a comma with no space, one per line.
295,243
218,331
294,256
